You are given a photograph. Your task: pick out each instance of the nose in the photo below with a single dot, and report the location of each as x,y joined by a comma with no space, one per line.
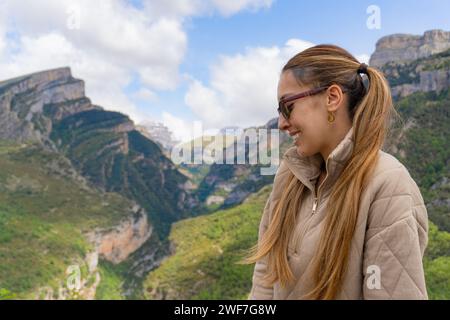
283,124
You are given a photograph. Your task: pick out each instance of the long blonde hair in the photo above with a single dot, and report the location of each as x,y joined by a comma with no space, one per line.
370,110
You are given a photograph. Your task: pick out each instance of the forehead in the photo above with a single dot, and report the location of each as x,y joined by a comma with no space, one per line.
288,85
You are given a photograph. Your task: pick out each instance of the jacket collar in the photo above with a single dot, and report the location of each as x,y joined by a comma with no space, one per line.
307,168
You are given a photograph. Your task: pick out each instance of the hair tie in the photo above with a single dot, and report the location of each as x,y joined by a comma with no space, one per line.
362,68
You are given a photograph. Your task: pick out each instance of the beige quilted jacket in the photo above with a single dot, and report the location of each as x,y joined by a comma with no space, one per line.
390,237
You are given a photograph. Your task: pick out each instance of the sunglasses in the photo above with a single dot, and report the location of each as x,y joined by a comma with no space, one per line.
286,111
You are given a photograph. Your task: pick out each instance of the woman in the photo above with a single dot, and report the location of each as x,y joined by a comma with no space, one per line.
344,220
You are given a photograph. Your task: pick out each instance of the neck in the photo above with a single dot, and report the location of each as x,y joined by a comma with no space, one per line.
336,138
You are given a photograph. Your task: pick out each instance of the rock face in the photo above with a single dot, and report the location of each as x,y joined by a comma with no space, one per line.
437,80
24,102
114,245
405,47
51,108
422,75
117,244
414,63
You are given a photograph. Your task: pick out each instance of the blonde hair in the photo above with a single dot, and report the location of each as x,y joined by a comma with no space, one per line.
370,110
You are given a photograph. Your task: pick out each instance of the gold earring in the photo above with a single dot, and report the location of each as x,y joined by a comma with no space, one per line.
331,117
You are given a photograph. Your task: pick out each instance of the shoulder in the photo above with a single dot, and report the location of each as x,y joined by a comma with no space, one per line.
390,177
394,195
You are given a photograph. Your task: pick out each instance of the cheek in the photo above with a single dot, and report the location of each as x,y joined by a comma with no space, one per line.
308,120
311,123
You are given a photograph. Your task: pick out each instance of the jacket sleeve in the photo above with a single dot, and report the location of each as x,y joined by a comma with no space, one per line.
260,291
396,238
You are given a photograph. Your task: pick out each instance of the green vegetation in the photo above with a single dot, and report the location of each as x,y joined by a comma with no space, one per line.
44,215
424,149
437,264
6,295
110,287
207,249
195,173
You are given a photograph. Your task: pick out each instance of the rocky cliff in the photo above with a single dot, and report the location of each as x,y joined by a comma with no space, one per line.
51,108
114,244
406,47
414,63
430,74
24,104
117,243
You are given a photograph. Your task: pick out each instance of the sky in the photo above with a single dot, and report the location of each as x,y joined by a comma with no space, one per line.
181,61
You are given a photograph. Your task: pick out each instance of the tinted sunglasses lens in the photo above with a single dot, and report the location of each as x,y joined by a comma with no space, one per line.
283,110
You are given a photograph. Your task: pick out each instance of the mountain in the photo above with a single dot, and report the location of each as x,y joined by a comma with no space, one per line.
406,47
230,184
51,108
158,133
49,113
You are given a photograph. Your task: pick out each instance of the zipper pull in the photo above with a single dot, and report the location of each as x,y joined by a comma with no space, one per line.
314,206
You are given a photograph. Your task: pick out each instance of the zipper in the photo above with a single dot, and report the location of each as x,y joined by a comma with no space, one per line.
317,197
316,203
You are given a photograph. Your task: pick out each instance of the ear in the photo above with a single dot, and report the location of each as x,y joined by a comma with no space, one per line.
335,98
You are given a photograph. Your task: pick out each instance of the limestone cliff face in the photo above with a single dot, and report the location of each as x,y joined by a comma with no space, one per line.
116,244
436,80
25,103
406,47
414,63
51,108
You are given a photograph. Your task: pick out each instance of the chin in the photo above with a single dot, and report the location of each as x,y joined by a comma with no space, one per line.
303,152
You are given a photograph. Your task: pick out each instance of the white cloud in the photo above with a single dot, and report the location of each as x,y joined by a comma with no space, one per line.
104,82
188,8
2,40
118,32
2,28
363,58
227,7
205,103
106,43
242,89
146,95
181,129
